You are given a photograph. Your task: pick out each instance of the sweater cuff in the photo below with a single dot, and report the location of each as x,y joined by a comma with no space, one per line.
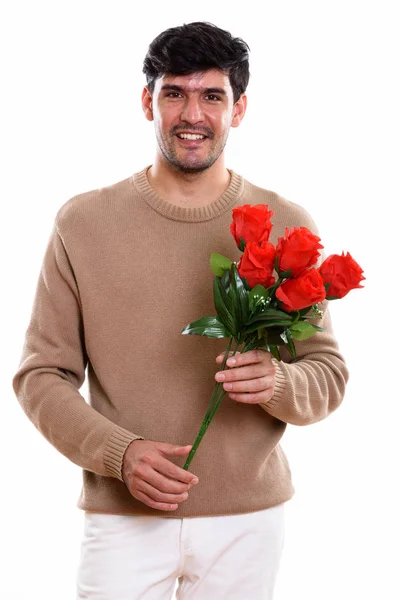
115,449
280,384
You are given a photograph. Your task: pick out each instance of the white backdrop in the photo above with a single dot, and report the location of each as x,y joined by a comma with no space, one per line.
322,129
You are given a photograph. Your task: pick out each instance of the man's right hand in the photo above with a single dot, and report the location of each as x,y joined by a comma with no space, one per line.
152,478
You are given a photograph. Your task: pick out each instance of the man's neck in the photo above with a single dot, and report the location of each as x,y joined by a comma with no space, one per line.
188,189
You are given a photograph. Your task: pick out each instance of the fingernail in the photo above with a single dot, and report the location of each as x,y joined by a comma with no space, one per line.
195,480
231,361
220,377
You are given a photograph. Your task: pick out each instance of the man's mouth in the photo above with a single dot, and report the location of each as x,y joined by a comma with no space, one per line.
191,136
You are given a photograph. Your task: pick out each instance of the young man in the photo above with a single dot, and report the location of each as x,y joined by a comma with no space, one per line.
125,270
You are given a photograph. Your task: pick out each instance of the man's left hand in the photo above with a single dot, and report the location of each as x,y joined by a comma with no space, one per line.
252,377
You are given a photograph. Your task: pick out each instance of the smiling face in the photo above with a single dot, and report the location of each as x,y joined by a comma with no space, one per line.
192,116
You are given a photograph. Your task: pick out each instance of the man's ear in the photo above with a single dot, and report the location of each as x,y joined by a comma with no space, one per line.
239,110
147,104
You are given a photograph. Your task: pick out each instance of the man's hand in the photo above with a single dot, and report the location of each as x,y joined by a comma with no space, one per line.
251,378
152,478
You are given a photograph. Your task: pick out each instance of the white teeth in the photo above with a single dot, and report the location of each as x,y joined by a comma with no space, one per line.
191,136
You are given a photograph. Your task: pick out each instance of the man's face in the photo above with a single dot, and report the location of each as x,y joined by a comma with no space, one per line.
192,116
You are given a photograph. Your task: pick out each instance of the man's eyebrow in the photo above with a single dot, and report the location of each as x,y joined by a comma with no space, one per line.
215,90
178,88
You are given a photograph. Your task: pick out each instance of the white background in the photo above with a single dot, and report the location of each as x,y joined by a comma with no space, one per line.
322,129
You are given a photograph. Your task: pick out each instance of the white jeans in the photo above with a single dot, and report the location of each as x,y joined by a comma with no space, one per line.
232,557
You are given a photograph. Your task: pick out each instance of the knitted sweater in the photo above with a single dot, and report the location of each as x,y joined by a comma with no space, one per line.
123,273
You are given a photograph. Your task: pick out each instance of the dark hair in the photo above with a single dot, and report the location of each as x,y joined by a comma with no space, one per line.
196,47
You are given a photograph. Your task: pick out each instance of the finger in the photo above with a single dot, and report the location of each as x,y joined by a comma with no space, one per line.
153,504
168,468
251,356
165,484
159,496
173,450
170,450
249,385
220,357
252,398
239,373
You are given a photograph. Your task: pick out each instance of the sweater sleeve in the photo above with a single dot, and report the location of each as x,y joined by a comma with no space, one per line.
52,369
312,386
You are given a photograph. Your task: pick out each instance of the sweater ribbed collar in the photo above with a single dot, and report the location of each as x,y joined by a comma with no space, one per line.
193,214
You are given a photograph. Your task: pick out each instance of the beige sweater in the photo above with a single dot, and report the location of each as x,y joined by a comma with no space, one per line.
123,273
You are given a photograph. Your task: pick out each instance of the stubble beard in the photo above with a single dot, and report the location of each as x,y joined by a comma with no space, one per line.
170,154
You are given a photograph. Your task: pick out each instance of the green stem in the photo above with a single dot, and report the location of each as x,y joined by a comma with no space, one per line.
217,385
273,288
220,398
215,401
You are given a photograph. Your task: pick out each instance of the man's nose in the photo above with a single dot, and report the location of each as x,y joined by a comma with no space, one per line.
192,111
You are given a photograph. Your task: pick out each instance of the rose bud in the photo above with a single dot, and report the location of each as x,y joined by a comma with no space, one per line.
342,273
252,223
302,291
257,264
297,250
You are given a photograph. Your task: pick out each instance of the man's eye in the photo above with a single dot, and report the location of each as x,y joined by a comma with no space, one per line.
213,97
173,94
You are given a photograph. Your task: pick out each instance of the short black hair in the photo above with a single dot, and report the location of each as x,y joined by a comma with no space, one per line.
196,47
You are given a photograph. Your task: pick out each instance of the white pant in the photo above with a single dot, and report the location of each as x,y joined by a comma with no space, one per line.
232,557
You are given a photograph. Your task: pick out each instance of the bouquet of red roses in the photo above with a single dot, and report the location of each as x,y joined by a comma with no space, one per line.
270,298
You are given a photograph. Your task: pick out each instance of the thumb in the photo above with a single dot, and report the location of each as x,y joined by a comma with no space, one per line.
174,450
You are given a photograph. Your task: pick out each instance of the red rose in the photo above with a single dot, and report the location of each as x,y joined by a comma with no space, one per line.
343,274
302,291
252,223
257,264
297,250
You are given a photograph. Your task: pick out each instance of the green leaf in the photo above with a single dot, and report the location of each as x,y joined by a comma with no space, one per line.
242,244
240,299
225,296
271,314
219,264
246,285
273,335
223,306
302,330
226,281
274,351
317,327
304,311
264,325
209,326
257,293
288,341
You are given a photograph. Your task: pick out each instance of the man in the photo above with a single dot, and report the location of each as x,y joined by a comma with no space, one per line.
125,270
